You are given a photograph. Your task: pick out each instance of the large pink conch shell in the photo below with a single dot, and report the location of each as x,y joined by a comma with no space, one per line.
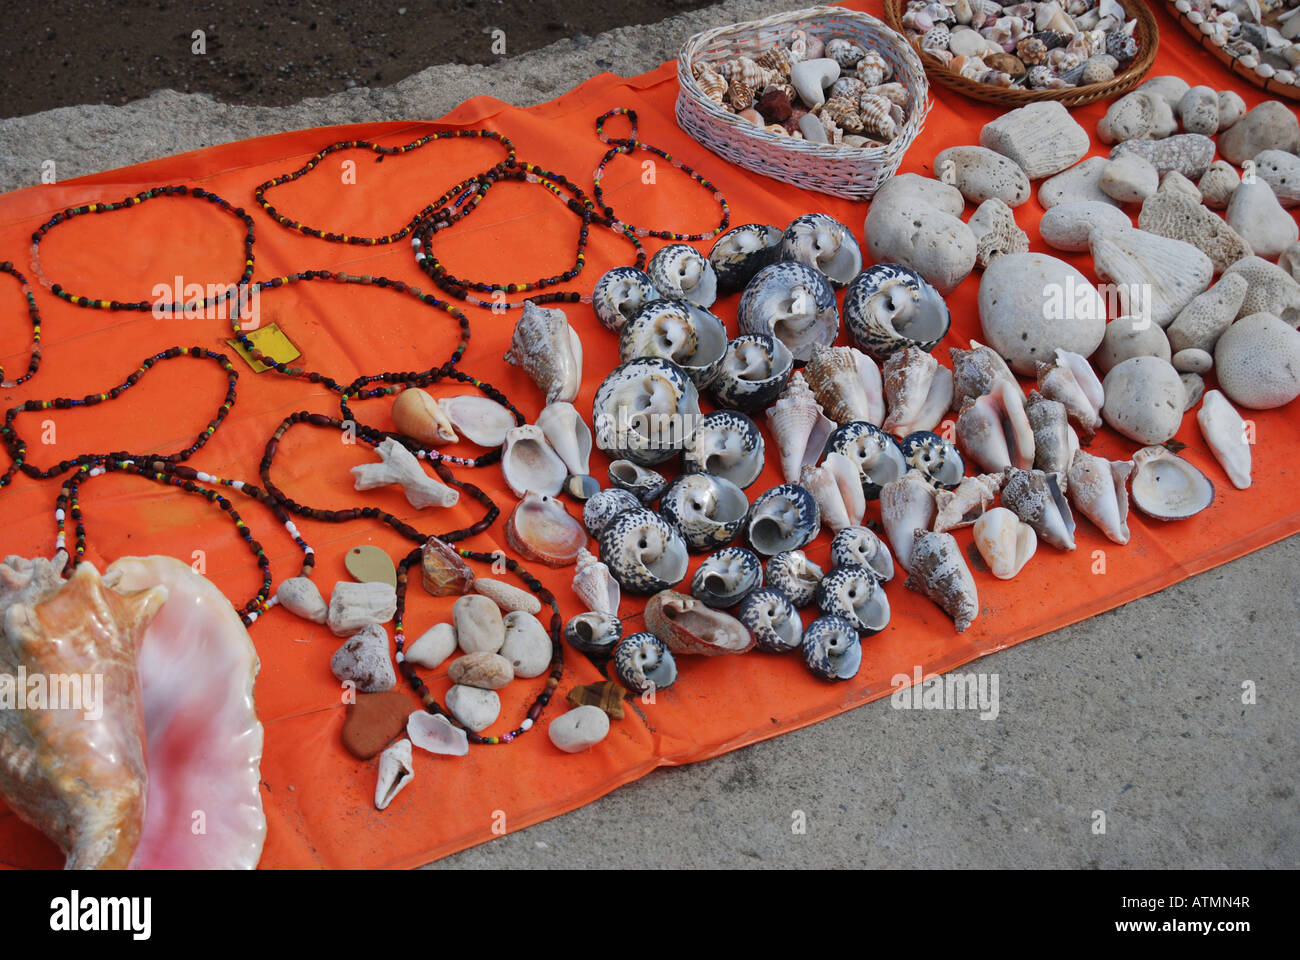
76,773
204,741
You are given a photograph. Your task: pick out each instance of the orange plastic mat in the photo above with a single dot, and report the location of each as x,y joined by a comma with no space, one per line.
318,799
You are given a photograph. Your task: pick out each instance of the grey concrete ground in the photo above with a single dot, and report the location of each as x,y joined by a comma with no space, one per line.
1137,713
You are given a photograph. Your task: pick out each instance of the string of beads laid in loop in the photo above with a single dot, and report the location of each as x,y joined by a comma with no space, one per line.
34,362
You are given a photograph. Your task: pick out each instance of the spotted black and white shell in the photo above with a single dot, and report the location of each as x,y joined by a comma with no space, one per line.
861,547
831,648
726,444
593,632
743,251
772,620
935,457
681,271
619,294
854,593
679,331
727,577
889,307
641,482
605,506
708,511
645,411
753,372
875,453
643,552
783,518
794,575
792,302
823,243
644,663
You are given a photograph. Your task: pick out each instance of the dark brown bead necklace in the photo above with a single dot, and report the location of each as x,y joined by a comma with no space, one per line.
34,361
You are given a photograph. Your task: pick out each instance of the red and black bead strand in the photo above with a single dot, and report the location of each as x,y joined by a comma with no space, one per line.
227,292
627,145
433,210
17,446
34,362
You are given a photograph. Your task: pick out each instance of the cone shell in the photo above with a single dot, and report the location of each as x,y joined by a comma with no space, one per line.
939,571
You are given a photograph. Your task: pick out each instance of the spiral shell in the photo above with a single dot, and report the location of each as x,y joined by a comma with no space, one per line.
645,411
844,112
679,270
861,547
855,594
619,294
643,552
605,506
679,331
872,69
712,84
783,518
643,663
772,621
877,117
727,577
594,632
548,350
793,303
844,52
725,444
707,511
753,372
778,59
795,576
831,648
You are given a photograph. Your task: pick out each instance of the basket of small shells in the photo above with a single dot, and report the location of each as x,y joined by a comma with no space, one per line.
825,98
1012,54
1259,40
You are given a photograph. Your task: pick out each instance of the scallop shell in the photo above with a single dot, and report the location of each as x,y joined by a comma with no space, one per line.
823,243
753,372
800,428
541,529
860,547
679,270
728,445
935,457
644,664
847,384
831,648
792,573
783,518
529,463
480,421
1225,432
906,505
890,306
568,435
643,483
708,511
772,621
1167,487
792,302
595,586
994,429
594,632
548,350
855,594
1071,380
743,251
1098,492
605,506
976,371
1005,542
727,577
939,571
645,411
620,293
918,391
967,503
688,626
679,331
874,453
643,552
1037,499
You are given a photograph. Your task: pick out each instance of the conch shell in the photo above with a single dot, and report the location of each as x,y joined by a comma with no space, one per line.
800,427
939,571
846,382
918,391
549,351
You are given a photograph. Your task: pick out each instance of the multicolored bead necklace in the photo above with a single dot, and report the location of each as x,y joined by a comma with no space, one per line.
430,210
226,293
33,364
628,145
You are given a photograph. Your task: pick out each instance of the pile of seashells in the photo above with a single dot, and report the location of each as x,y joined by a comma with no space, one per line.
1261,35
835,92
1039,46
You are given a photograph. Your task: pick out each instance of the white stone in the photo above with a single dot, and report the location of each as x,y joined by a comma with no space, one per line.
1130,179
1079,184
354,605
1067,227
1144,399
479,627
300,596
365,661
1254,212
527,645
476,709
1281,171
433,646
579,729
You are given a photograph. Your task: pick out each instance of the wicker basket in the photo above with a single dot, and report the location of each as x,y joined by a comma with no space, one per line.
851,172
1148,37
1251,74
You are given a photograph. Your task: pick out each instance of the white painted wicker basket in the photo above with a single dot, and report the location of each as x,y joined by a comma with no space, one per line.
851,172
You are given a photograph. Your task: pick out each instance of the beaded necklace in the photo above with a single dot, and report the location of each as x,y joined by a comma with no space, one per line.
35,360
628,145
428,211
146,306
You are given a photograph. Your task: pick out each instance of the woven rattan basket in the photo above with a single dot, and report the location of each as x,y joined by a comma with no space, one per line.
852,172
1148,38
1194,23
